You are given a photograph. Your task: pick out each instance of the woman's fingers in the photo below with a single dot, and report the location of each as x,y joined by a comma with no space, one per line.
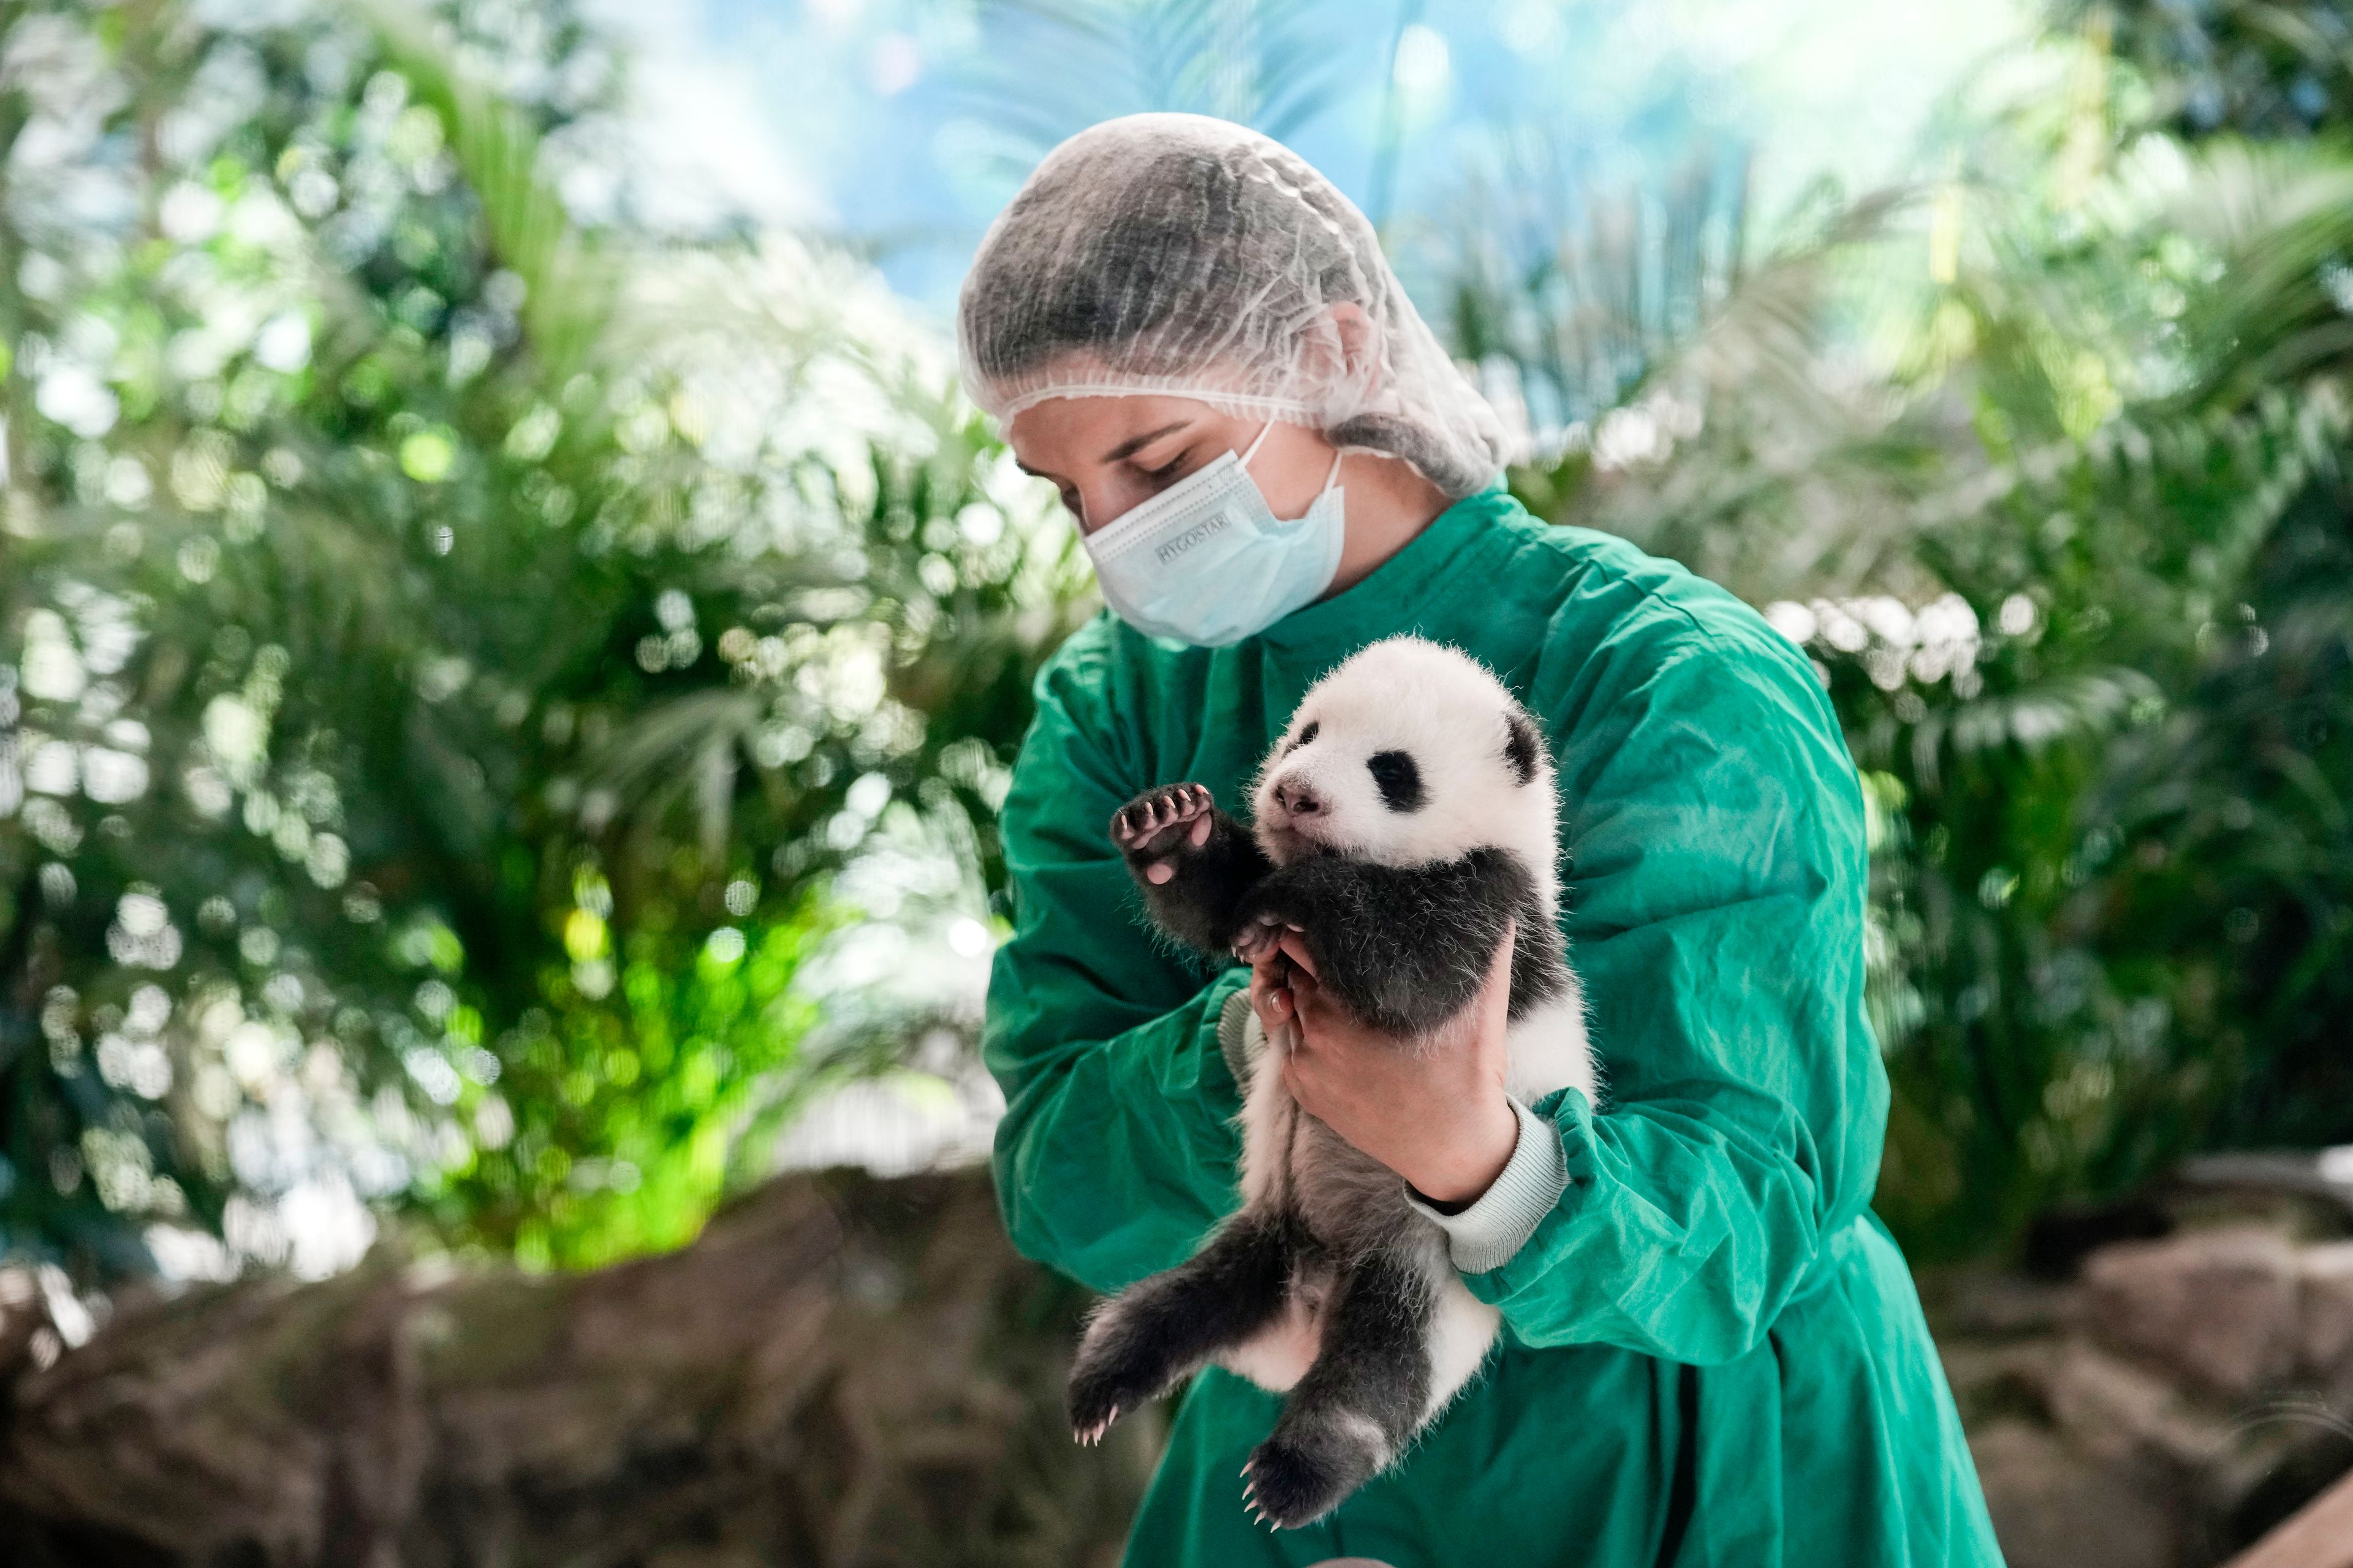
1306,996
1294,945
1499,970
1269,989
1492,1011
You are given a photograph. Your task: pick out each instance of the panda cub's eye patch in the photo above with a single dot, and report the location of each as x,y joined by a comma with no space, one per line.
1306,735
1398,779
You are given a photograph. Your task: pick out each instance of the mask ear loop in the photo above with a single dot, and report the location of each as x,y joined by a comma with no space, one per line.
1331,475
1256,442
1333,478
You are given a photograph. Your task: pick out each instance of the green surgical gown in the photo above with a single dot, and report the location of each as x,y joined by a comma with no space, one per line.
1712,1351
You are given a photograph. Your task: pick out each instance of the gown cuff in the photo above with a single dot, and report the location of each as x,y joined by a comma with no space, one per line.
1498,1224
1239,1038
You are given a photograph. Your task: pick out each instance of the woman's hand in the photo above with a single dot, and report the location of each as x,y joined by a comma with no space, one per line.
1437,1114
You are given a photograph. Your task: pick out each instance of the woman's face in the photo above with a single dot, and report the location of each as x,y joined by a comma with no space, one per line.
1107,455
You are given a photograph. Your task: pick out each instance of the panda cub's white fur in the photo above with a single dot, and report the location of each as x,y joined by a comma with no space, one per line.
1404,822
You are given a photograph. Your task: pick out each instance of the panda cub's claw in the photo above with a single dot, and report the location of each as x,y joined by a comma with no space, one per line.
1261,937
1289,1487
1155,826
1258,940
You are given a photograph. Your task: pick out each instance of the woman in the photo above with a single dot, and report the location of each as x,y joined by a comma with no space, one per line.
1712,1352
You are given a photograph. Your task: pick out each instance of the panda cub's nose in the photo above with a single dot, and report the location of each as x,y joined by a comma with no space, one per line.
1296,798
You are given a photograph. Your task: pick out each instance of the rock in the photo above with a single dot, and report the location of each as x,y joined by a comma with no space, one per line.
2008,1306
2279,1463
2007,1378
2056,1508
2318,1536
2113,1410
2184,1400
2220,1307
2325,1311
840,1369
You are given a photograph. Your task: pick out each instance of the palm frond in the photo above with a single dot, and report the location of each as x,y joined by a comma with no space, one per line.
569,285
1051,68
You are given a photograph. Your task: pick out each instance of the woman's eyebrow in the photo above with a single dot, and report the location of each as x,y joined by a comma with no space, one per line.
1129,447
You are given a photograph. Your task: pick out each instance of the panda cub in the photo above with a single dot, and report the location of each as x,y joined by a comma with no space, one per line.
1402,824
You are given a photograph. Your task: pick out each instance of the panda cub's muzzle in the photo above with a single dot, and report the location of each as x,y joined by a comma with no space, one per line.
1297,817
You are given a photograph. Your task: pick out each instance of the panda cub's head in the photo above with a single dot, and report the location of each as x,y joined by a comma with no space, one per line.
1407,755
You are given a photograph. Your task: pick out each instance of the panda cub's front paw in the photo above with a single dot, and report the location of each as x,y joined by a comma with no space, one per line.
1258,940
1261,934
1273,912
1158,826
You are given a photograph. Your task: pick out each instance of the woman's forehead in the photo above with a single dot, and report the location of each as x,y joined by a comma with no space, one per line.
1090,429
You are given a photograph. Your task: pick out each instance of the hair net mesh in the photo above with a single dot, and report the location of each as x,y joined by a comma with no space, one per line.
1178,254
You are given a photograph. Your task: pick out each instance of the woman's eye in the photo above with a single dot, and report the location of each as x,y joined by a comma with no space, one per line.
1168,471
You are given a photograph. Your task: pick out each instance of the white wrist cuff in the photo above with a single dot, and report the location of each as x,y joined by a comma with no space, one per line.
1493,1228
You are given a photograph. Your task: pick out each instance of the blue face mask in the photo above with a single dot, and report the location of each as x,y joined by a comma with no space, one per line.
1206,562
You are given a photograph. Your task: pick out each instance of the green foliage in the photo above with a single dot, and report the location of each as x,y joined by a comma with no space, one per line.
455,659
624,1117
450,654
2117,960
2249,66
2069,560
1576,293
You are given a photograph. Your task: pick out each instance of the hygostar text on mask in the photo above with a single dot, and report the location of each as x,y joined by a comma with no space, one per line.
1187,540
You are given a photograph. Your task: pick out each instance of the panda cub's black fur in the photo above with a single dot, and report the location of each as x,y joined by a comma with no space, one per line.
1404,822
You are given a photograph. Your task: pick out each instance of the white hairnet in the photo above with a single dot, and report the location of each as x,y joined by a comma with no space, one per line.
1178,254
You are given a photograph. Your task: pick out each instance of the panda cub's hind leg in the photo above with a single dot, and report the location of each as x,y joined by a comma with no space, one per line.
1368,1393
1166,1327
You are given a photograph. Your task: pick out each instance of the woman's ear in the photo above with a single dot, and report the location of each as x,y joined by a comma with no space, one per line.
1342,348
1359,346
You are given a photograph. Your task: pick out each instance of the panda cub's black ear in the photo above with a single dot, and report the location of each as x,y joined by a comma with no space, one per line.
1521,743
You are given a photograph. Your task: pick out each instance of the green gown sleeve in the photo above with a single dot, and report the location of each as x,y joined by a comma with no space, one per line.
1118,1149
1717,898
